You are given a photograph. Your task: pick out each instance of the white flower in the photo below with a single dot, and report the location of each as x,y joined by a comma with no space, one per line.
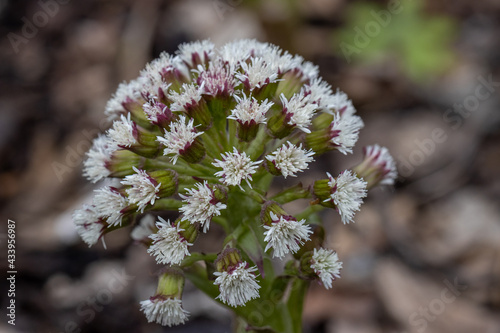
258,73
285,234
126,92
88,224
153,110
164,311
348,194
340,103
320,92
179,137
346,128
238,285
290,159
249,110
200,205
196,52
143,189
326,265
217,80
235,166
144,228
168,247
122,132
94,167
300,110
109,203
381,158
238,51
189,95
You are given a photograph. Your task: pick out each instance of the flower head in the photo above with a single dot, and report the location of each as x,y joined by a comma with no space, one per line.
95,166
237,285
285,234
378,166
288,160
143,189
347,193
196,53
258,73
88,224
299,110
169,246
236,167
201,205
164,310
110,203
179,139
122,132
249,111
345,131
326,265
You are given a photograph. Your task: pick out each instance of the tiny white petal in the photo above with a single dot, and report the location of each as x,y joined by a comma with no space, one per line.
340,103
382,159
168,247
300,109
203,50
88,224
143,189
216,80
178,137
122,132
326,265
285,234
348,195
164,311
346,127
189,95
258,73
238,285
126,92
109,203
199,205
144,229
291,159
248,109
236,167
94,167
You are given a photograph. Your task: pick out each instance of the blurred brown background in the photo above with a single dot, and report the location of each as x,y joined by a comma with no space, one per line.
424,76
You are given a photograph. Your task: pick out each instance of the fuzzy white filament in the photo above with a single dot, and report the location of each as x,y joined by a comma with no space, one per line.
285,234
291,159
168,247
326,265
348,195
179,137
236,167
200,205
164,311
143,189
238,285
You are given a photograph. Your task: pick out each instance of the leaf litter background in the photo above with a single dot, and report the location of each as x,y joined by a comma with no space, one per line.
440,222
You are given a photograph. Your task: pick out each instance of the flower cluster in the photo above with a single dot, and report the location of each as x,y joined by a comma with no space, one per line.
203,133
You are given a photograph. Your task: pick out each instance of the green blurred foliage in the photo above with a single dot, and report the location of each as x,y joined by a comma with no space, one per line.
421,43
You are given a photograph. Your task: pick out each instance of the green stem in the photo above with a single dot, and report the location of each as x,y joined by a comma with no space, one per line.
291,194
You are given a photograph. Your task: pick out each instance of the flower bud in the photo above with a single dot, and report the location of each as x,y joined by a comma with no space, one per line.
236,280
344,193
165,307
378,167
